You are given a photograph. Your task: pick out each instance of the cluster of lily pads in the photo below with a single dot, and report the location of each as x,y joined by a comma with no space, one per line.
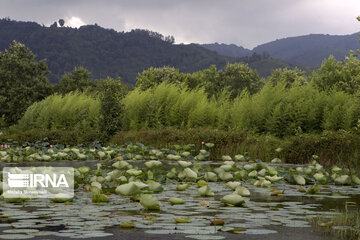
138,151
131,175
139,174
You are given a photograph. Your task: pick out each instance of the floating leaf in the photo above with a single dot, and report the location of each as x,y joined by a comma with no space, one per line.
300,180
182,220
205,191
313,189
128,189
182,187
211,177
155,186
97,198
233,200
127,225
233,185
242,191
175,200
149,202
61,198
217,222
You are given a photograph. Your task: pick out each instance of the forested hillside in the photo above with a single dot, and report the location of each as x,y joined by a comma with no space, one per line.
311,50
306,51
230,50
105,52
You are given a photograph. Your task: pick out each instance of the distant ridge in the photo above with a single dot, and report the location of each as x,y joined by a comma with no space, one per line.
230,50
106,52
309,50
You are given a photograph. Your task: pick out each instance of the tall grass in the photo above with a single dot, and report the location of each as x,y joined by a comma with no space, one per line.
169,105
278,110
74,111
345,224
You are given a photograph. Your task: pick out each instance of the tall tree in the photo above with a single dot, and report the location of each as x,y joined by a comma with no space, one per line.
289,77
344,75
111,92
78,79
154,76
61,22
238,77
22,81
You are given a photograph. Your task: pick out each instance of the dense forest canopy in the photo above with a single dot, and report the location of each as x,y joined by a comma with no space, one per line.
106,52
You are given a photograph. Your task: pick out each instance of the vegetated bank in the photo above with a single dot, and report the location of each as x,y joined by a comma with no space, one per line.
291,112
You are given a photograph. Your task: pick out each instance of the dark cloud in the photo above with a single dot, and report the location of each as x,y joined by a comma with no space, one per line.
243,22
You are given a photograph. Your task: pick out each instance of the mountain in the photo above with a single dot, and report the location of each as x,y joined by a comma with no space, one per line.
311,50
307,51
230,50
106,52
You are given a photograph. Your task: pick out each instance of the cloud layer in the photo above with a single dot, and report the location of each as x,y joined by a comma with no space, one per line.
243,22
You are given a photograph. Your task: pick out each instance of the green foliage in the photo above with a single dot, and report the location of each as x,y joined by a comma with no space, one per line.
289,77
287,111
155,76
344,75
22,81
110,92
208,78
240,77
78,80
169,105
58,136
235,77
277,109
74,111
340,147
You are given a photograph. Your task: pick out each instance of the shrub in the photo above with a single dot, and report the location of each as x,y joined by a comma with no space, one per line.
276,109
168,105
74,111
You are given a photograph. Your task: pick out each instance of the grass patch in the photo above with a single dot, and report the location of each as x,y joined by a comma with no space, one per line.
346,224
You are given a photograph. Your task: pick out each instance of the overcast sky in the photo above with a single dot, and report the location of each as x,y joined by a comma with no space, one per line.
246,23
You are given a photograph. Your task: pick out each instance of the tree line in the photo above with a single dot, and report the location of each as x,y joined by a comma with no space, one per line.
287,102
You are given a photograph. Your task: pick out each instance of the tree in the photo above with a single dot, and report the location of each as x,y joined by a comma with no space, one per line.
79,79
238,77
22,81
154,76
170,39
344,75
61,22
288,76
54,25
266,55
209,79
111,92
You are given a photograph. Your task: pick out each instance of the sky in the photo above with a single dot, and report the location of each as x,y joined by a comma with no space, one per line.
246,23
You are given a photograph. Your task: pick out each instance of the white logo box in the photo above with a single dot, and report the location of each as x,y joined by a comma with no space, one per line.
38,182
